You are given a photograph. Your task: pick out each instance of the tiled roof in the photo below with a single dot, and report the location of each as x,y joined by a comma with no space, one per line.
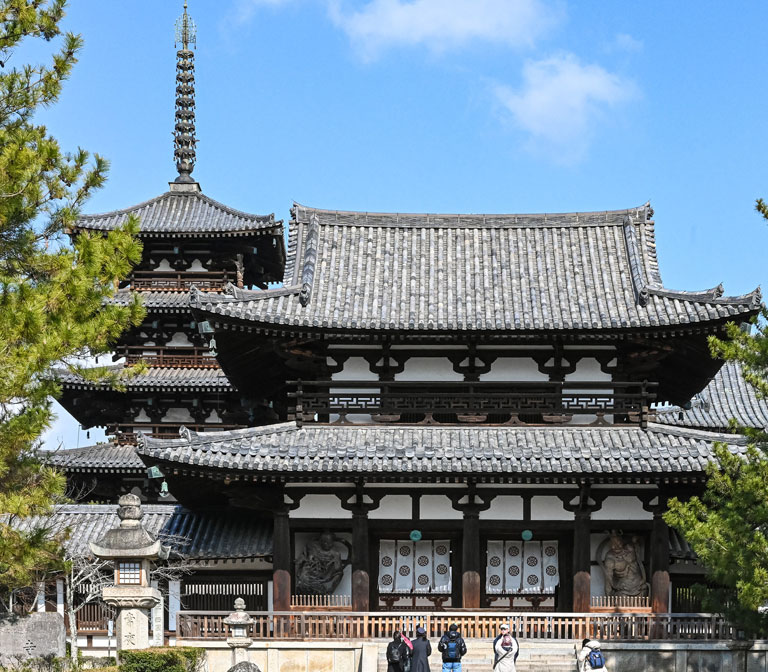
184,214
156,378
206,534
728,396
101,457
154,300
356,270
409,450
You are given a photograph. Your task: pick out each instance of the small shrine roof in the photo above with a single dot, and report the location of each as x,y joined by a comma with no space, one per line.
352,271
204,534
155,378
728,396
184,213
103,457
409,451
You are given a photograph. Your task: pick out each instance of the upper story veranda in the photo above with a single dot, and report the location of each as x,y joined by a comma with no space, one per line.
496,310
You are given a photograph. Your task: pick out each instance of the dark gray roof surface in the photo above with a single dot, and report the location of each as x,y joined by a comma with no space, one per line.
101,457
207,535
156,378
728,396
314,449
183,213
154,300
356,270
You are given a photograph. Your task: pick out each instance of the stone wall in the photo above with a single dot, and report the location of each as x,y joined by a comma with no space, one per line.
688,657
33,636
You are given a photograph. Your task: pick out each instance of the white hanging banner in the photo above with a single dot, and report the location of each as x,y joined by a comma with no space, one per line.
386,566
550,571
423,567
494,567
442,576
404,567
513,566
532,567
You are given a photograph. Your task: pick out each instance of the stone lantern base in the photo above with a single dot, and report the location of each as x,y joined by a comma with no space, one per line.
133,604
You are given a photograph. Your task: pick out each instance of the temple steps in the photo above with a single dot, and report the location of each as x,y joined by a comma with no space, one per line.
535,656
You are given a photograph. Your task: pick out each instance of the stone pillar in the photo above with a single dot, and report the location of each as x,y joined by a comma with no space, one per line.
470,560
659,553
582,588
60,596
361,587
281,561
158,619
174,603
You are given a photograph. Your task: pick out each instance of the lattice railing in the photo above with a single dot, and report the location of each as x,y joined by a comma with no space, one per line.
470,402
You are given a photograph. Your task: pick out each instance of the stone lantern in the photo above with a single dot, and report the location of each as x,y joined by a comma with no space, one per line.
239,640
131,548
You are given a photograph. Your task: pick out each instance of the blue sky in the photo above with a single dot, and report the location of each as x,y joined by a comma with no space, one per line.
444,106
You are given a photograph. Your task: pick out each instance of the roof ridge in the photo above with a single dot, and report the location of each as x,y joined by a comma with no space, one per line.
685,432
646,207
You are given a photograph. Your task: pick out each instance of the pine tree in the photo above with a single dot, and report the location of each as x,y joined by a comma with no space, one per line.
54,306
727,526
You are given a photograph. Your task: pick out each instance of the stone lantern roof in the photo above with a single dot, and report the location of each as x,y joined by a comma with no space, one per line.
129,539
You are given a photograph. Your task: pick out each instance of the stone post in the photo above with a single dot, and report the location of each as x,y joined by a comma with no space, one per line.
239,638
131,548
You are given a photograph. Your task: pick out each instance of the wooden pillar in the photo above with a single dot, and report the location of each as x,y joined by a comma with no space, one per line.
470,560
281,561
361,588
582,588
659,561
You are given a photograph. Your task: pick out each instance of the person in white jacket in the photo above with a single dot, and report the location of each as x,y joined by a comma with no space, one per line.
505,650
587,662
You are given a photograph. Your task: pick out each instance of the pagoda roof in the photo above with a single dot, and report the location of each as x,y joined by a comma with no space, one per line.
205,535
402,452
103,457
184,213
727,397
166,301
352,271
154,378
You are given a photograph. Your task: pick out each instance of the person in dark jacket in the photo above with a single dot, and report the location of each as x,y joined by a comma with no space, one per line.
453,648
422,650
397,653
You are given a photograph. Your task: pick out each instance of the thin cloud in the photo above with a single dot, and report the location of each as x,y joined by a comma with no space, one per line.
443,24
244,10
561,102
625,42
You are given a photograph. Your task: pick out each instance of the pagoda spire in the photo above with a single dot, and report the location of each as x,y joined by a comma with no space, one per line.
184,140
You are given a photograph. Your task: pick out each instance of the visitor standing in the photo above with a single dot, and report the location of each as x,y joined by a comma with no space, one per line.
397,653
453,648
422,650
409,644
505,650
591,658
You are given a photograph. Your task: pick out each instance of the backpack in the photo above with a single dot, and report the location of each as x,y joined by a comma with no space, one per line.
596,659
452,649
393,652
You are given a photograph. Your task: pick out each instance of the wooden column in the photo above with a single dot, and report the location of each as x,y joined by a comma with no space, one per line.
281,561
470,560
659,553
361,588
582,588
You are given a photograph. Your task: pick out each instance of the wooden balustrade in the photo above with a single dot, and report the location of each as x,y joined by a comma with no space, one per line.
180,280
298,625
620,602
181,356
321,601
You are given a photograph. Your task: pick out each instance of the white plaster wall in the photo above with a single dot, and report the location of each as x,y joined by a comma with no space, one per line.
213,417
178,415
163,266
437,507
429,368
301,539
320,506
617,508
142,416
197,265
516,369
504,507
549,508
588,370
393,506
355,368
179,340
